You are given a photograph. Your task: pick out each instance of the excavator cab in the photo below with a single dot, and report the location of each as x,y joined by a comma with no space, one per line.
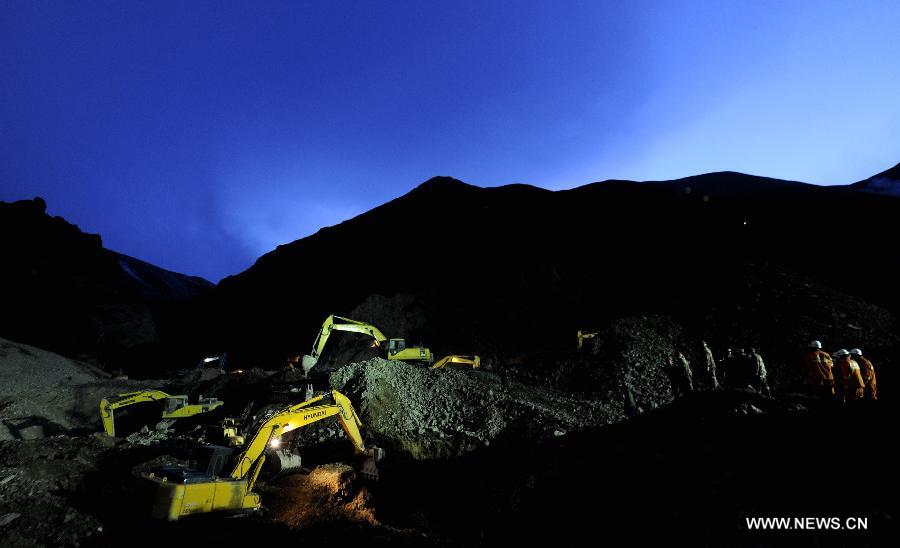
395,346
174,403
397,350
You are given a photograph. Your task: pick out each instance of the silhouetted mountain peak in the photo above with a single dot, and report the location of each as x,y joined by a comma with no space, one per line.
29,218
520,188
68,293
448,186
442,183
38,204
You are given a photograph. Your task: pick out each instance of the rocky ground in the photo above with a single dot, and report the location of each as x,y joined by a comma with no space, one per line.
543,444
443,413
541,450
39,482
44,394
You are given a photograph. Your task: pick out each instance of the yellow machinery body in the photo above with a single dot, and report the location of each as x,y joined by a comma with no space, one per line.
232,432
176,499
175,407
582,335
396,348
474,361
181,492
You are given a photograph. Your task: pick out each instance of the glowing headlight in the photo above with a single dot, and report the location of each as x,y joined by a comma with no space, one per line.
275,443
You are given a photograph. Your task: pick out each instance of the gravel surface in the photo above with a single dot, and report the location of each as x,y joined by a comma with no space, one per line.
44,394
440,413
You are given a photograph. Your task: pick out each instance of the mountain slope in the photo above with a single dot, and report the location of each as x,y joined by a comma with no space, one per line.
65,292
887,183
517,269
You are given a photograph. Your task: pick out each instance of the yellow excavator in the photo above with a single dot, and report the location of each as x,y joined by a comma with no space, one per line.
231,432
582,335
474,361
396,348
175,407
182,492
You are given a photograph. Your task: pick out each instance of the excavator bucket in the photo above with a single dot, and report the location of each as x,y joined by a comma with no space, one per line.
308,362
369,468
283,462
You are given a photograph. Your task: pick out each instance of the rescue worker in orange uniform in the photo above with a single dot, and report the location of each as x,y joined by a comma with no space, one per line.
868,373
851,376
818,365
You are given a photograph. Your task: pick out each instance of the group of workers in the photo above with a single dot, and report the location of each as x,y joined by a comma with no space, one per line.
846,375
856,374
740,368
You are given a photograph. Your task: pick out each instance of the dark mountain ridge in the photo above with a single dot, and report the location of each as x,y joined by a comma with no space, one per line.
67,293
501,271
517,269
887,183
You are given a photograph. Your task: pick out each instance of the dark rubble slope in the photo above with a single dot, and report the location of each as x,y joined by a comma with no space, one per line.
773,309
482,457
44,394
427,413
692,473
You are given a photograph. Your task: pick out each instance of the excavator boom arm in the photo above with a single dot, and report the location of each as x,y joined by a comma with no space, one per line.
582,335
234,493
108,407
339,323
474,361
295,417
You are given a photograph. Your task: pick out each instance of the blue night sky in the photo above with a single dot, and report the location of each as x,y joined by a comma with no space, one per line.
200,135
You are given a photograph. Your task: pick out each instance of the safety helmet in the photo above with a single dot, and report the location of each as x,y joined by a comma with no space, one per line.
815,344
856,351
841,353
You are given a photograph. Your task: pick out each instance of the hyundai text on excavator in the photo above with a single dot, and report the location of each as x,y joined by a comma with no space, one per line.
176,407
396,348
181,491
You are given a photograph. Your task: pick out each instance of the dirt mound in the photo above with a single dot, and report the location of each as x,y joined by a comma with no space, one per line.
328,493
440,413
38,481
217,385
631,353
43,394
779,312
